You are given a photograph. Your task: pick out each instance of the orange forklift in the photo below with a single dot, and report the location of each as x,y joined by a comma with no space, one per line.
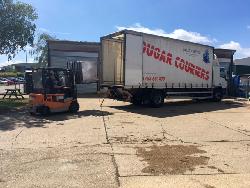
53,90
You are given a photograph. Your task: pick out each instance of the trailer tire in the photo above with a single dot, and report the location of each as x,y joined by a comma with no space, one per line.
136,100
156,99
217,95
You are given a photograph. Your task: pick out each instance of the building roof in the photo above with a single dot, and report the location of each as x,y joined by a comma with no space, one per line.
24,64
244,61
20,64
73,42
73,46
224,53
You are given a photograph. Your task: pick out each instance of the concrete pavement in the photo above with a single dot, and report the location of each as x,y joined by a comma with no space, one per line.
183,144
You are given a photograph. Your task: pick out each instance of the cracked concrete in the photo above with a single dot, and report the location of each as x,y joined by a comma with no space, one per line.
99,146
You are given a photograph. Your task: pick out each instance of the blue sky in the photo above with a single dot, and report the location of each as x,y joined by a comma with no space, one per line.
219,23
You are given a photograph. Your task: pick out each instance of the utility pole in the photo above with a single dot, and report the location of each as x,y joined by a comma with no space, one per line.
248,88
26,57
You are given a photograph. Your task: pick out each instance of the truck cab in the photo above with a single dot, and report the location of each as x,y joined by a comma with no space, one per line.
219,76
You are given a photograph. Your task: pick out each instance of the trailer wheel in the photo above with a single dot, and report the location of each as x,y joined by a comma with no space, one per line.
217,96
136,101
74,107
156,99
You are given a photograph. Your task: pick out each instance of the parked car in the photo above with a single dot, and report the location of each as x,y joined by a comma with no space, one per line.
16,80
20,80
3,81
6,81
12,79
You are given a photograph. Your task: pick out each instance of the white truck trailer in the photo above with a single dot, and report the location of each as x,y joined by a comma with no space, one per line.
144,68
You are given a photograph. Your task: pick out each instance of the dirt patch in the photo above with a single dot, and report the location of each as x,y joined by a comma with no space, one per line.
171,159
120,139
151,140
209,186
218,169
127,122
220,141
127,140
244,130
135,140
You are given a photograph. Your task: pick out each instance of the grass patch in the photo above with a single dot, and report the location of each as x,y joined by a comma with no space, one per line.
11,103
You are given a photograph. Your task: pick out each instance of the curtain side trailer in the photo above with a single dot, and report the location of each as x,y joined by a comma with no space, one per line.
144,68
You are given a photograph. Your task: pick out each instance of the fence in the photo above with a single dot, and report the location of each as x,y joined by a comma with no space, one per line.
244,91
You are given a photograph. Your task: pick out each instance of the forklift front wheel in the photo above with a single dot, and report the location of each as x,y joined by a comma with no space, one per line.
74,107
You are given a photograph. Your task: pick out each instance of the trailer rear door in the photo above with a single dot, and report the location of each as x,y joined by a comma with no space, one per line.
133,62
112,62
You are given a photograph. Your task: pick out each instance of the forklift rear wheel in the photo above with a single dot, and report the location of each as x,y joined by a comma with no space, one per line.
32,113
74,107
45,111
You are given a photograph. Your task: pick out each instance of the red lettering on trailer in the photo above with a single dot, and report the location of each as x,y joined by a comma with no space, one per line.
163,56
150,50
157,53
180,63
198,71
191,68
144,47
169,59
154,78
176,62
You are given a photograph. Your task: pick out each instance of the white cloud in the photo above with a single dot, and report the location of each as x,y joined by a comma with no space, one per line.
183,34
44,30
176,34
41,29
190,36
240,51
19,58
6,63
138,27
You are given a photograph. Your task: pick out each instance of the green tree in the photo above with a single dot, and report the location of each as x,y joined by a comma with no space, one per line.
41,49
17,26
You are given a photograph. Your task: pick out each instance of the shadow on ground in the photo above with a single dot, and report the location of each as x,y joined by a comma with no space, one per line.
177,108
21,118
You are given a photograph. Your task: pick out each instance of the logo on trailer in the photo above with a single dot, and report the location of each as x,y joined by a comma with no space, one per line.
206,57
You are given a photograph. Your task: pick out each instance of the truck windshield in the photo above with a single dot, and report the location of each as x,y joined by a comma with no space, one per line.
222,72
